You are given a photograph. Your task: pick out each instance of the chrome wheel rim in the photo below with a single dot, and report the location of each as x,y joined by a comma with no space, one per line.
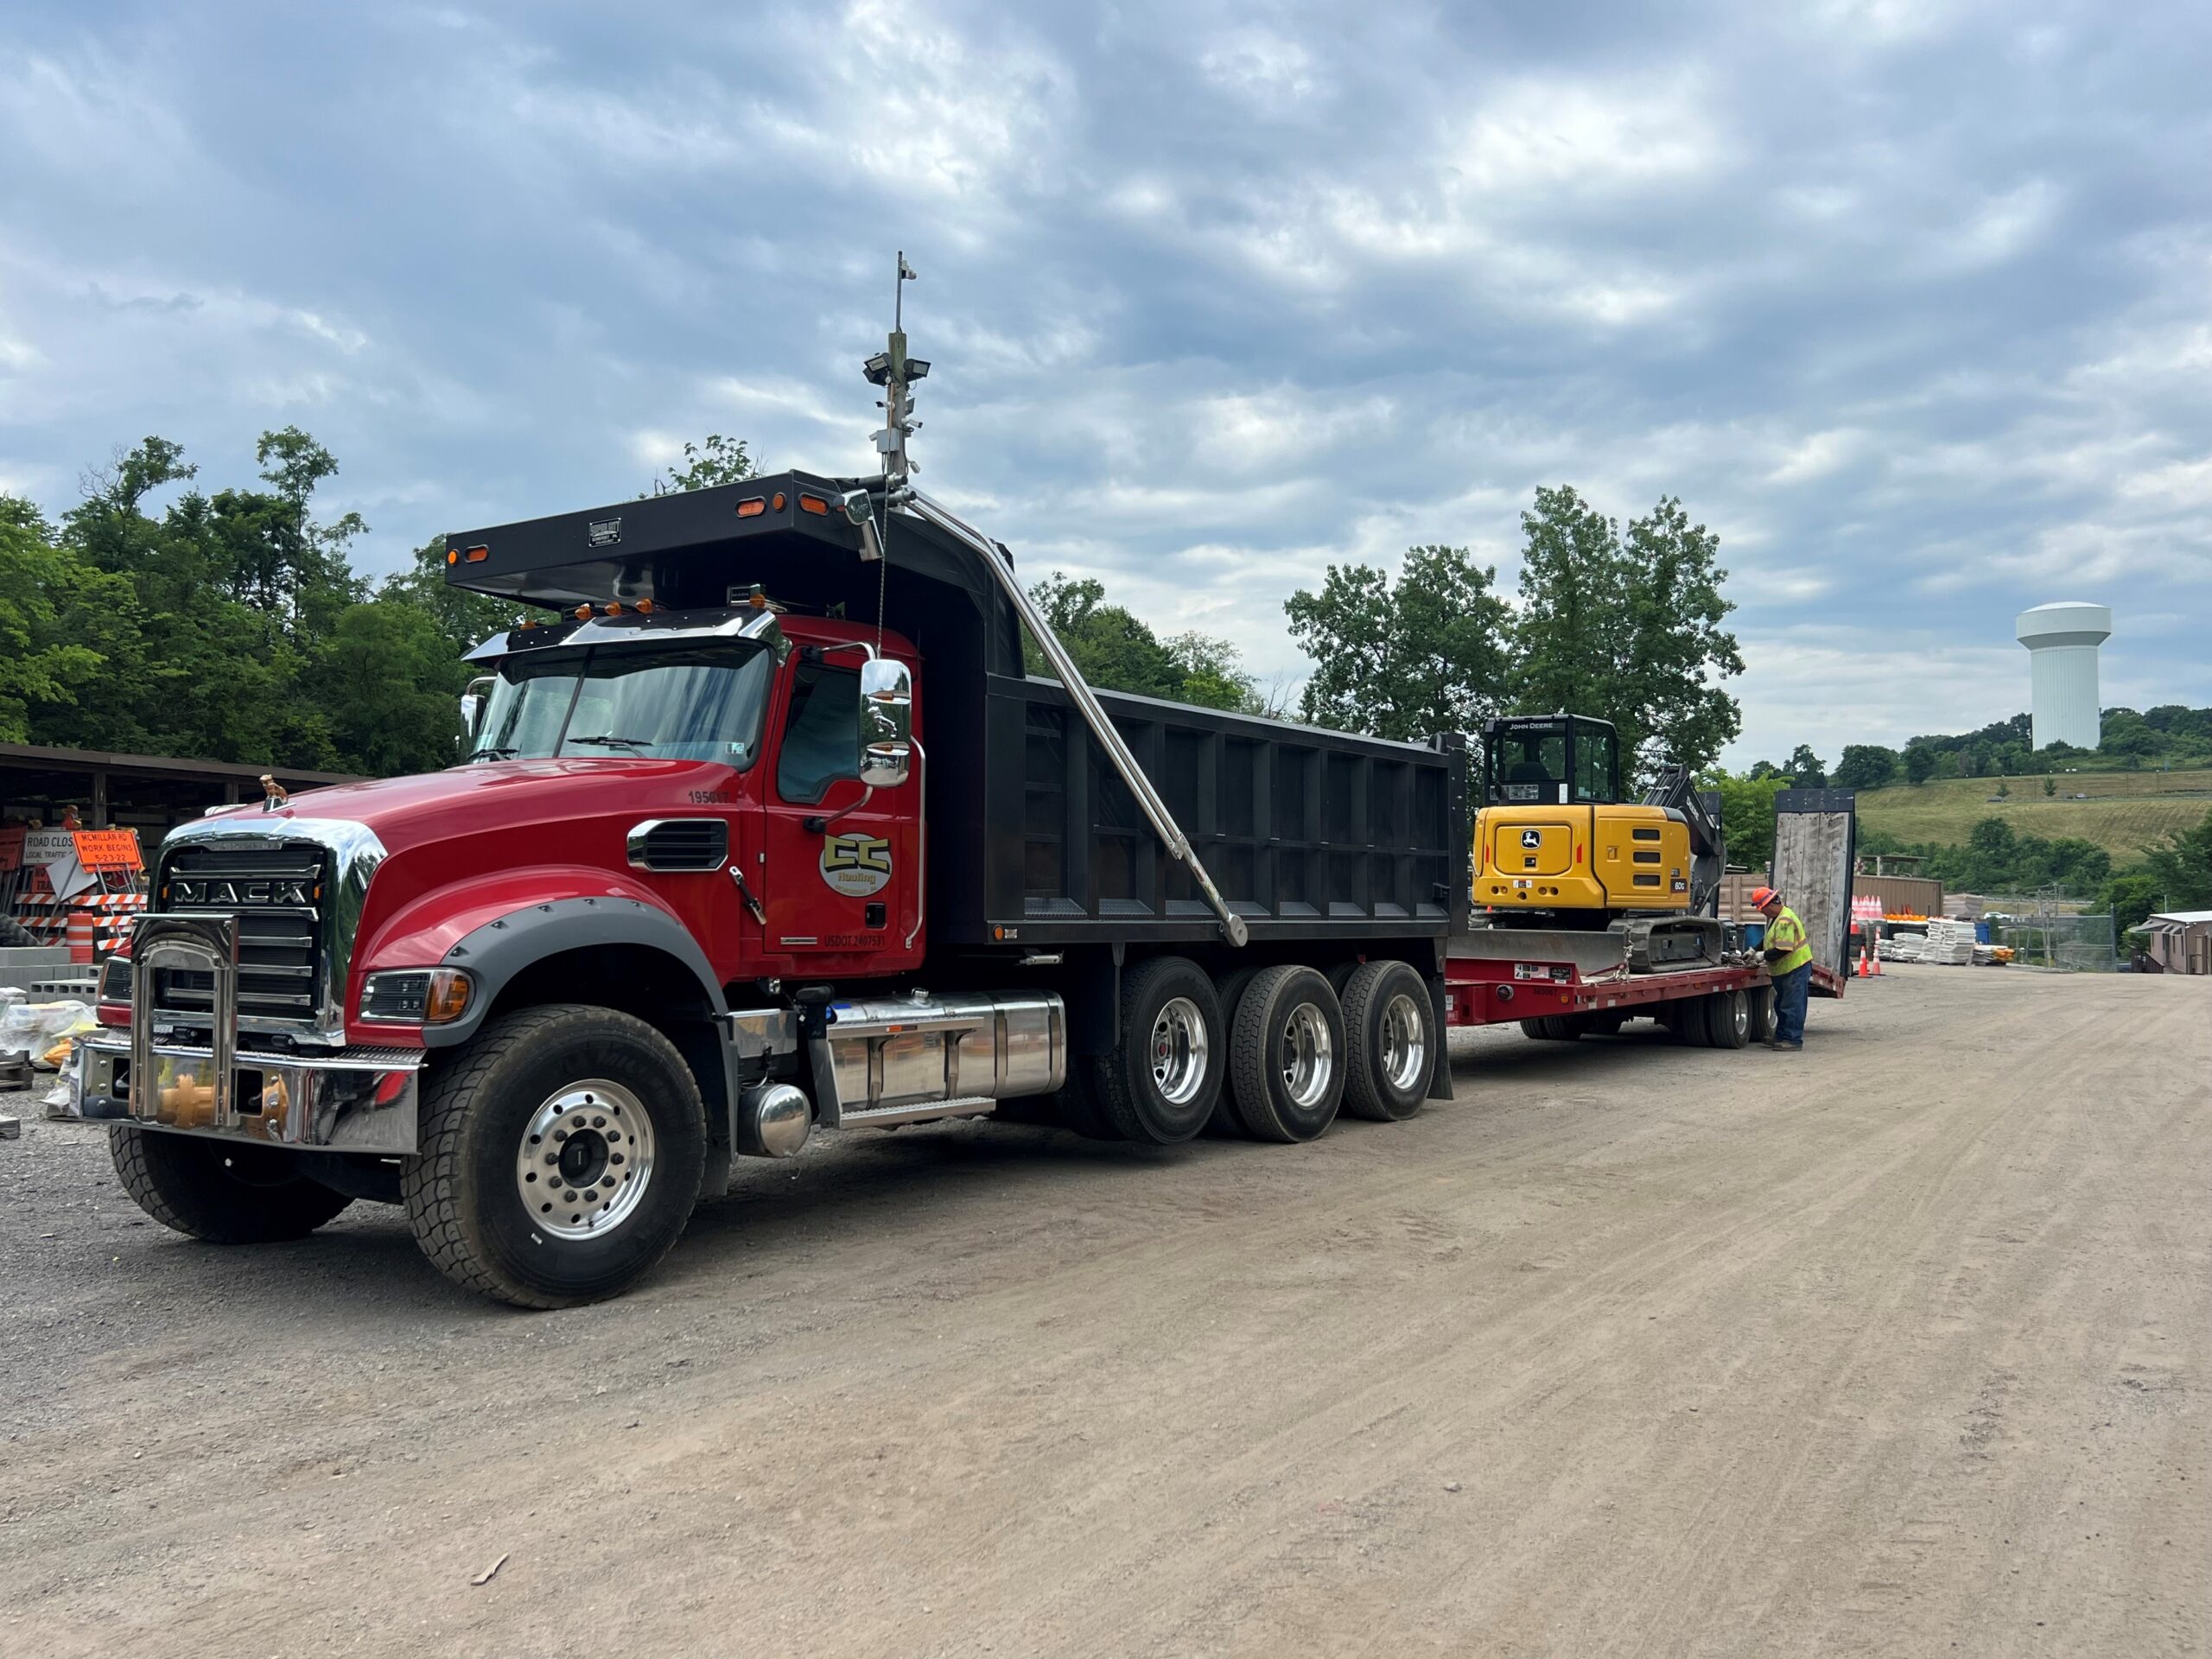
1308,1061
1404,1041
585,1160
1180,1047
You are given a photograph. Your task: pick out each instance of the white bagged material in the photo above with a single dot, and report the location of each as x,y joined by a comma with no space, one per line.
33,1028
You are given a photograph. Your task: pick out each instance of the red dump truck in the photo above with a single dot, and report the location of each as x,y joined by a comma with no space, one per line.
763,828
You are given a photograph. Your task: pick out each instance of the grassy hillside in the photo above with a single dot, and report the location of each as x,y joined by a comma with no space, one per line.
2124,811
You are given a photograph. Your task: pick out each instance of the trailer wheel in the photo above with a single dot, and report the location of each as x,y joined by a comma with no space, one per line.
1728,1019
1390,1042
1286,1055
1761,999
223,1192
1162,1081
1688,1018
562,1154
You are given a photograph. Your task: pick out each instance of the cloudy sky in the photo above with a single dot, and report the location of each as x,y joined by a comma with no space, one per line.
1911,302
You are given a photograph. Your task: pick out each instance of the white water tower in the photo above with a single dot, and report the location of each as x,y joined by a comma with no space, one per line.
2061,641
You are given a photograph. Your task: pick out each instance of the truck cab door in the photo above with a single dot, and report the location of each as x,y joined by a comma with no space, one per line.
843,871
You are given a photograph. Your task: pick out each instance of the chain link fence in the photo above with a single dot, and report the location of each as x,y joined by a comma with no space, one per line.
2071,944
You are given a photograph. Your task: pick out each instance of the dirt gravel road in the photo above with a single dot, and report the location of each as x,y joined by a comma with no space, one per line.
1895,1347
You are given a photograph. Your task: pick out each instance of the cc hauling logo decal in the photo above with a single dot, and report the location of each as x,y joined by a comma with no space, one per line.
856,865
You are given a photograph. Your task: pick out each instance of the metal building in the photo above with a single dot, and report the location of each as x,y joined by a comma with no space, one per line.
2061,641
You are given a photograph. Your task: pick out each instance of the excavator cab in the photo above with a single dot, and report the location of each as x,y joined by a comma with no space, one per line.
1554,759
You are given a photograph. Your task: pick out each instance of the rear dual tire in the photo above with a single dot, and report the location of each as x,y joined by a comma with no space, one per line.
1392,1045
1287,1055
1728,1019
1161,1084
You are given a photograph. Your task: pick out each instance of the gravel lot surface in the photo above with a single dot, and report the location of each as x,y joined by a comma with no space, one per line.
1897,1346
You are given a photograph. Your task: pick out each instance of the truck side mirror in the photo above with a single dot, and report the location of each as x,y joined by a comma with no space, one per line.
886,723
472,704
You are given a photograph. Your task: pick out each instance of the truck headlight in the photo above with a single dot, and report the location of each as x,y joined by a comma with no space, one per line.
115,980
417,996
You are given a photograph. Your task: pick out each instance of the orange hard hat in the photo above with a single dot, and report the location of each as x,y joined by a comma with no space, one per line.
1762,896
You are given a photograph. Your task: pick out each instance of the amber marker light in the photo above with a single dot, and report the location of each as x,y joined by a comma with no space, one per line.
813,504
643,607
452,555
447,999
583,612
752,506
477,555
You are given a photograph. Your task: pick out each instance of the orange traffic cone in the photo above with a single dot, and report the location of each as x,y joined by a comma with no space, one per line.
82,931
1864,972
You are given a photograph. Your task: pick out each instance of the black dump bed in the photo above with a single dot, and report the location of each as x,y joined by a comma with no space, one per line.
1034,837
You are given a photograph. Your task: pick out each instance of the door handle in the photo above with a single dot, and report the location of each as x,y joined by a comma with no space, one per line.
759,914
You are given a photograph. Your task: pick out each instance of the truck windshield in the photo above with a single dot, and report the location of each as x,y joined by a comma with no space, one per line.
673,702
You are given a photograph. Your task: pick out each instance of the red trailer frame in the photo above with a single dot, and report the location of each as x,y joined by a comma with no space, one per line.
1493,991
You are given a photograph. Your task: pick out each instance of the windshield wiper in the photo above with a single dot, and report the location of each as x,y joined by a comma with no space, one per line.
495,754
607,740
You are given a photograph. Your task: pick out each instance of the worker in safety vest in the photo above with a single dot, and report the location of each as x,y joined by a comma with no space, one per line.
1789,964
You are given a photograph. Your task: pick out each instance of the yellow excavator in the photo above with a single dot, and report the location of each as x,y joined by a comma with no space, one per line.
1556,847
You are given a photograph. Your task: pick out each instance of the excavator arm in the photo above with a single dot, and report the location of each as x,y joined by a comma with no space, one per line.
1675,790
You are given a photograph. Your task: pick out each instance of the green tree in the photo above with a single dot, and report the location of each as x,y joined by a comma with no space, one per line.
718,461
1865,765
1113,649
40,662
1626,625
2131,896
390,682
1747,814
463,620
1212,672
1809,771
2049,784
1428,653
1919,763
2182,866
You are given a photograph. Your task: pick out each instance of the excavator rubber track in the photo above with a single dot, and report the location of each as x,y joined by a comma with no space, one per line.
1659,944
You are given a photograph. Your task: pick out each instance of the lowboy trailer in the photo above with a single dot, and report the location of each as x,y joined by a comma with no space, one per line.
1562,985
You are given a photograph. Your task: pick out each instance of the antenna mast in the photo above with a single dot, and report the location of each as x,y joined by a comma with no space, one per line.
895,372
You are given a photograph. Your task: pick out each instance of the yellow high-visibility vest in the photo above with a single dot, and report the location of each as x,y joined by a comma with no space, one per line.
1785,930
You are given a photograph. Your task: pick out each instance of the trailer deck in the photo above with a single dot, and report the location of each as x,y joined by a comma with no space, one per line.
1496,974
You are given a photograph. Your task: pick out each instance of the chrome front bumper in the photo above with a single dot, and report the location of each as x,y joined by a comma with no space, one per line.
351,1100
346,1100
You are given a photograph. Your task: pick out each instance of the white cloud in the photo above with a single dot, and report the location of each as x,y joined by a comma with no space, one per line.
1818,456
1261,67
1544,134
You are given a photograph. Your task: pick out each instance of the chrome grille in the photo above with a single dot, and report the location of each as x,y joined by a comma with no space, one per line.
280,938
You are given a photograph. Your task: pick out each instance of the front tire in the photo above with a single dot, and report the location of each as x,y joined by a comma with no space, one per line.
562,1156
223,1191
